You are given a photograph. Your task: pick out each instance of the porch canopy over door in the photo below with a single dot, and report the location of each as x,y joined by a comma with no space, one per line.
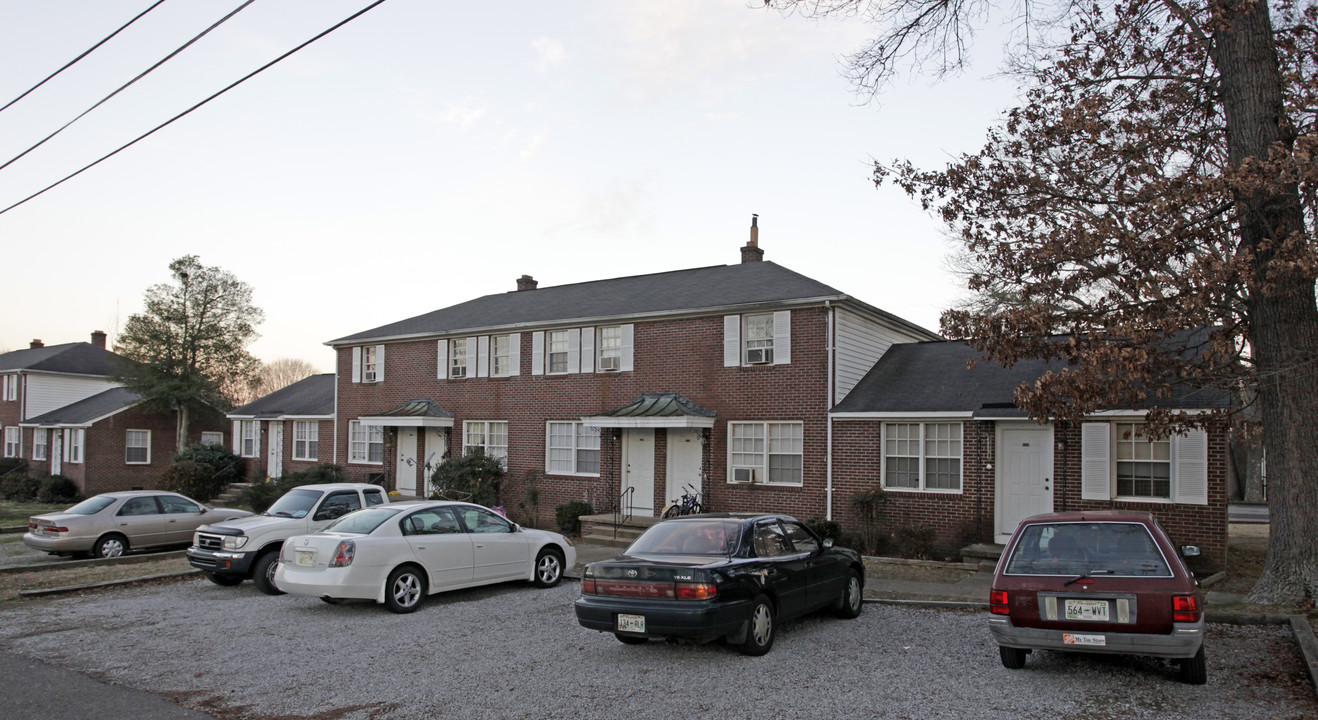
409,459
655,410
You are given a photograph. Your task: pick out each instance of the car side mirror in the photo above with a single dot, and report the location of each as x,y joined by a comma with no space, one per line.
828,543
1190,551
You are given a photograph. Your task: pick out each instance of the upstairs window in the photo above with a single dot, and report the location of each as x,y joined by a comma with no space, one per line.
137,449
457,358
10,387
758,339
610,349
557,352
501,355
368,364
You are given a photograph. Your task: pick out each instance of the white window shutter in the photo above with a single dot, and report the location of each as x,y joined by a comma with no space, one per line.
379,363
441,364
237,438
628,333
471,357
731,340
515,354
782,337
1095,461
574,350
588,350
1190,455
538,353
65,451
482,356
357,364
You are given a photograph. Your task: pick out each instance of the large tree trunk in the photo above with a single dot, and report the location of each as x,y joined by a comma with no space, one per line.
181,438
1281,303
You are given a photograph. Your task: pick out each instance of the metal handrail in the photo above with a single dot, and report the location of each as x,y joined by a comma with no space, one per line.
619,516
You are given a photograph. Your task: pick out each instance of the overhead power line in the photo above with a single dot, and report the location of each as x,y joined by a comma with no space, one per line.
170,121
84,54
125,86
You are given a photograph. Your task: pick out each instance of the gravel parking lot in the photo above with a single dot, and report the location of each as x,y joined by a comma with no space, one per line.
516,652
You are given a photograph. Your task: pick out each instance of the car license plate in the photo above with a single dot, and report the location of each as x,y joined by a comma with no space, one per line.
1087,610
631,623
1077,639
306,557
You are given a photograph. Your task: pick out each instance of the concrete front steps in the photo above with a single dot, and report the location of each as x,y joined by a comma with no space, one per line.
601,530
231,496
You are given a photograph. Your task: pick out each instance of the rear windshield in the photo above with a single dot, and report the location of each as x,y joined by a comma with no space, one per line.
689,537
1100,548
91,505
295,503
361,522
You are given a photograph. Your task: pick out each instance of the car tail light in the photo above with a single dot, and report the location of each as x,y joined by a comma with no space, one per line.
695,591
1185,608
587,586
343,554
998,602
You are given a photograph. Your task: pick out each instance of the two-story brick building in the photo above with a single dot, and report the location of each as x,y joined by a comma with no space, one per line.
719,377
62,413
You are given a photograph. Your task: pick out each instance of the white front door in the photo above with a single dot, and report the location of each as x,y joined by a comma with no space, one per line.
436,446
406,468
274,466
684,455
1025,475
638,469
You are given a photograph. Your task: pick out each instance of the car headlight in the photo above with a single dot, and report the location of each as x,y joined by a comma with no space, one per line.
234,542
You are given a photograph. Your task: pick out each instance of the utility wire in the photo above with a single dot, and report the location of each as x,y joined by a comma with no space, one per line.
84,54
125,86
231,86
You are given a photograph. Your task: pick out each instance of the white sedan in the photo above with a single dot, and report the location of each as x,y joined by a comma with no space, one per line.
397,554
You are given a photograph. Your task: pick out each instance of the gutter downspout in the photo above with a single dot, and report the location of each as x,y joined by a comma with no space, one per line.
336,409
829,353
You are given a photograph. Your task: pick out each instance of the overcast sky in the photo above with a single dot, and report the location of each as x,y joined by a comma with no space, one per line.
430,152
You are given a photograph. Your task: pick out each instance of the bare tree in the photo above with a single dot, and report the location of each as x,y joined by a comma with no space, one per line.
281,373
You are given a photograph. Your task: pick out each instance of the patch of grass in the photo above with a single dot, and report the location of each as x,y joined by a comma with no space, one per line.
916,573
16,513
11,584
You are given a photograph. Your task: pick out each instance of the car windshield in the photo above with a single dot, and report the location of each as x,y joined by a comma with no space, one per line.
1087,548
91,505
295,503
361,522
689,537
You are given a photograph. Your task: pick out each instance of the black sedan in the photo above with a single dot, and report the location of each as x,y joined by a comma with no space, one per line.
705,577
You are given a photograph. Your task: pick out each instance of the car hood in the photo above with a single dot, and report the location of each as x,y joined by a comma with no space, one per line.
253,523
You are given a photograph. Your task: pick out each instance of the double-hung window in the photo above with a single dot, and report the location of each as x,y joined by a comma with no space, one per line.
73,441
768,452
212,438
457,359
573,449
251,438
489,437
370,363
1144,464
922,456
1120,461
13,441
556,354
137,447
365,443
758,339
610,349
306,439
39,440
501,355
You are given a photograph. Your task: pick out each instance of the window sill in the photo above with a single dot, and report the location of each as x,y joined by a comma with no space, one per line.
923,491
765,484
558,473
379,463
1137,499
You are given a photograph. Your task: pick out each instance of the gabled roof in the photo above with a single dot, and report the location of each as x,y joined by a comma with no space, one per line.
309,397
699,289
932,377
78,358
88,410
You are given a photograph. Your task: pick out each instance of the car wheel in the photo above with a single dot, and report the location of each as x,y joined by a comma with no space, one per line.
110,546
1012,658
263,573
853,597
225,580
1194,670
548,568
404,590
760,628
631,639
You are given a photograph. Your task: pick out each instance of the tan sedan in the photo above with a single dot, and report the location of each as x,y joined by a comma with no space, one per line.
110,524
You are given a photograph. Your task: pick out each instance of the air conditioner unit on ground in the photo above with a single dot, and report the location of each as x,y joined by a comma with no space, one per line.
745,475
759,356
609,364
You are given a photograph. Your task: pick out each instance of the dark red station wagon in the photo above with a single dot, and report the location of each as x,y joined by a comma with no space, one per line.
1099,582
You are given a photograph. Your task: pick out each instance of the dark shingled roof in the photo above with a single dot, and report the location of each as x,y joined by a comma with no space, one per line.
676,291
72,358
661,405
312,396
933,377
88,409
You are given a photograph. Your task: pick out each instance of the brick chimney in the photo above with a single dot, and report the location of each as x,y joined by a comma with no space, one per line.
526,282
752,252
98,339
36,343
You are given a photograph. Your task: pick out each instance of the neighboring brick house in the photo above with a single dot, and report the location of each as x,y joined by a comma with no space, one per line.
62,413
282,432
952,452
721,377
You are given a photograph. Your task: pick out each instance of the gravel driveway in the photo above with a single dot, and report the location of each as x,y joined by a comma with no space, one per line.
516,652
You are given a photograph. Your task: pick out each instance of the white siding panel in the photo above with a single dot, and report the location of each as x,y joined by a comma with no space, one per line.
860,342
49,392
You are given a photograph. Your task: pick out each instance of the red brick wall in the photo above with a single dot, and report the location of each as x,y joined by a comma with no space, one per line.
682,355
105,468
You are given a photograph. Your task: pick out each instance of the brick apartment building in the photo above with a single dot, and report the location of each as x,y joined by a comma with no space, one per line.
281,432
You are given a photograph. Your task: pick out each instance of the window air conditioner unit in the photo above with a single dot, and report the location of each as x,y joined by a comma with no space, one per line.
368,376
609,364
759,356
745,475
458,371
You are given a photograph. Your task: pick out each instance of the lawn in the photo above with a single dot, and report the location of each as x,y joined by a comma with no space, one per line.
16,513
